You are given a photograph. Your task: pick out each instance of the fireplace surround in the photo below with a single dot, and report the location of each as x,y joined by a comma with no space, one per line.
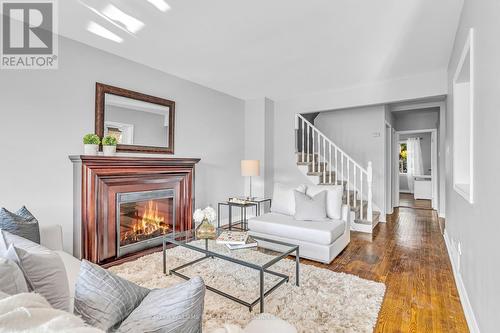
123,205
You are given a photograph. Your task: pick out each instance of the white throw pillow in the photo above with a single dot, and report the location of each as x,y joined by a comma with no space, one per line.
284,198
333,198
42,268
309,208
12,279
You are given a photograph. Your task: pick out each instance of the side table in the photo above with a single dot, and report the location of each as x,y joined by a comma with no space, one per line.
257,203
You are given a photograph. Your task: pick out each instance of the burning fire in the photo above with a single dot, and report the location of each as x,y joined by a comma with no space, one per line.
151,225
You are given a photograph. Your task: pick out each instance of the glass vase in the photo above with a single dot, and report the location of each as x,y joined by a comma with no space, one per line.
205,230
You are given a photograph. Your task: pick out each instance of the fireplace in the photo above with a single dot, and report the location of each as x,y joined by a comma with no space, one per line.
142,218
124,205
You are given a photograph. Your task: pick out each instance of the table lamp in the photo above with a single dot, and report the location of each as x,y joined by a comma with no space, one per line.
250,168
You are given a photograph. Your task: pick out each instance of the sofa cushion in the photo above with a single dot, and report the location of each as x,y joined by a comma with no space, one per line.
42,268
12,280
320,232
284,198
175,309
333,198
21,223
310,208
104,299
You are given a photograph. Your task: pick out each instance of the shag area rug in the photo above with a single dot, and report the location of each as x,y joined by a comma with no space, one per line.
325,301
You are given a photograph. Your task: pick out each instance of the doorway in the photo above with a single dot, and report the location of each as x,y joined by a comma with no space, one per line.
417,189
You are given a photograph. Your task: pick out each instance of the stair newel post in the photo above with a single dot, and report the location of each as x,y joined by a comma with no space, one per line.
369,179
361,203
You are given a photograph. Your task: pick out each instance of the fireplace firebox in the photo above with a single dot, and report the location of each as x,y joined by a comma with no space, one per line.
142,218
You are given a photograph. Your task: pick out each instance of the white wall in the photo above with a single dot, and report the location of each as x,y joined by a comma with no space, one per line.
416,119
45,113
149,128
360,133
259,144
476,226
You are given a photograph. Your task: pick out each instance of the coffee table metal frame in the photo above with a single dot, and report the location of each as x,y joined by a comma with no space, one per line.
171,238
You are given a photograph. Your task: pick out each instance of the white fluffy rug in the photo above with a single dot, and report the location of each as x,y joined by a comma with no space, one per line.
325,301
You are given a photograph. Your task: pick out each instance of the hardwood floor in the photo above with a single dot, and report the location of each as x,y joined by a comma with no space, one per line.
409,255
407,200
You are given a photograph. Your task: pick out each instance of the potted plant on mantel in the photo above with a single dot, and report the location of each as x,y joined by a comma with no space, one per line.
91,144
109,145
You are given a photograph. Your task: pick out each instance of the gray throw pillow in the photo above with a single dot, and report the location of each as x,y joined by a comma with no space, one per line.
175,309
310,208
103,299
44,273
12,280
21,223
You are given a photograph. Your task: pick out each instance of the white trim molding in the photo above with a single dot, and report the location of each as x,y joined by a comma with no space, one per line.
463,183
462,292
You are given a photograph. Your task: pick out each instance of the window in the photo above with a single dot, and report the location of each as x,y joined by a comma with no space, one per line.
403,158
463,106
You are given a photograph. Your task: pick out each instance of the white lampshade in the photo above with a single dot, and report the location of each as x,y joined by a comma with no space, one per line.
250,167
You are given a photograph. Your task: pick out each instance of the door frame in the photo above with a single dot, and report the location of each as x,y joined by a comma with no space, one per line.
434,163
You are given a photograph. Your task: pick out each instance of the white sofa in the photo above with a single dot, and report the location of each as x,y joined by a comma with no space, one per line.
318,240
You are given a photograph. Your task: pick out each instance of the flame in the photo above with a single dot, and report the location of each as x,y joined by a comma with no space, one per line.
152,222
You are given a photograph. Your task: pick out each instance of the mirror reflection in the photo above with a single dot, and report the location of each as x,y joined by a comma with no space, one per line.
135,122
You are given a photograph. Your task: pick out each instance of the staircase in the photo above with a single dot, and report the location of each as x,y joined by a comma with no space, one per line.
324,163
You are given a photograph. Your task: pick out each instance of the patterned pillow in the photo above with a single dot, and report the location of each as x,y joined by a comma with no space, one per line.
21,223
103,299
175,309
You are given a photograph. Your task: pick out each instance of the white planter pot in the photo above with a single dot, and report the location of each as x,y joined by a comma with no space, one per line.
109,150
90,149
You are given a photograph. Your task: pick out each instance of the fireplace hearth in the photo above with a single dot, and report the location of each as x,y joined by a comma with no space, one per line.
124,205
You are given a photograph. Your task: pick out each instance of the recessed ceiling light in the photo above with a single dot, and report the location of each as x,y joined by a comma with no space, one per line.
160,5
103,32
129,22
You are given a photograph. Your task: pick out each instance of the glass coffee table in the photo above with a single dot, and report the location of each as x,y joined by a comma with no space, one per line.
210,249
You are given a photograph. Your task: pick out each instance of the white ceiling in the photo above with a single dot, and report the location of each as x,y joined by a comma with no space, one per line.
278,48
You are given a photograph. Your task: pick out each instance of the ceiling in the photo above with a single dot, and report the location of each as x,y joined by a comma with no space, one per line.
276,48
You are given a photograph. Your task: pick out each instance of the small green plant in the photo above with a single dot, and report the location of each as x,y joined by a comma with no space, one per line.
109,141
91,139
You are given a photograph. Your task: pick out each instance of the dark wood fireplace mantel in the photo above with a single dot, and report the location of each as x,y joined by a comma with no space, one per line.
98,180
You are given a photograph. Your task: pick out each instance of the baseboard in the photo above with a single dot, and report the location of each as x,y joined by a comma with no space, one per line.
405,191
462,292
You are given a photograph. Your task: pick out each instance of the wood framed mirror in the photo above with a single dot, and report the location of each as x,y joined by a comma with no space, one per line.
141,123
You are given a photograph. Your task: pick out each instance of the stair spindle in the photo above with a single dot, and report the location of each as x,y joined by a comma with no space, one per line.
361,199
302,130
330,164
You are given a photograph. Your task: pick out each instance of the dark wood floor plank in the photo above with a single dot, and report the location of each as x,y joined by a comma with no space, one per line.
408,254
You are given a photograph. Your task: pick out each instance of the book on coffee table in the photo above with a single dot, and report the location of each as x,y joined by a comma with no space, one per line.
232,237
249,243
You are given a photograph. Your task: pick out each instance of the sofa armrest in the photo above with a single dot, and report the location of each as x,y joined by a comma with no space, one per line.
51,237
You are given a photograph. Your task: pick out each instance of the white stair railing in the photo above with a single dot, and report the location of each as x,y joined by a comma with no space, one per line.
325,158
